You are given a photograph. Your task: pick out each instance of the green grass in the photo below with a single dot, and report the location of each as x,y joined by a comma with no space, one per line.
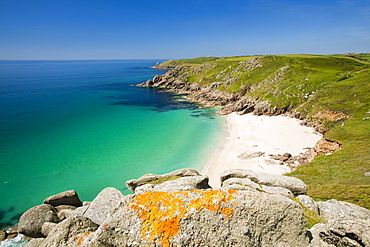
312,218
309,84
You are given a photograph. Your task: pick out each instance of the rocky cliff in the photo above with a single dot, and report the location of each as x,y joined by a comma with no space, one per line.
181,209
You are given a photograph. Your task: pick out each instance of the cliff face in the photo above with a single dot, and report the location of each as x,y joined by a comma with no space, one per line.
210,96
250,209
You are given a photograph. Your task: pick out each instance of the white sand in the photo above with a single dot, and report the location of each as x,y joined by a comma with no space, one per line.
249,134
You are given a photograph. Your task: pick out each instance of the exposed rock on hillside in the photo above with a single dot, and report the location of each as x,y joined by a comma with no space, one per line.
209,96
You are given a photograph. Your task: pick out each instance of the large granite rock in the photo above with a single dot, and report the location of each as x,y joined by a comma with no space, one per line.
204,218
308,202
180,184
75,231
47,227
295,185
102,206
155,179
238,173
352,233
30,223
247,184
69,197
35,242
333,210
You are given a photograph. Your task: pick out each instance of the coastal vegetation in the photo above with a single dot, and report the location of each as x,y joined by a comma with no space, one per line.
331,91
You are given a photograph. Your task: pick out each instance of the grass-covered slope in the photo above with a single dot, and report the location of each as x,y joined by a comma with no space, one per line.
333,89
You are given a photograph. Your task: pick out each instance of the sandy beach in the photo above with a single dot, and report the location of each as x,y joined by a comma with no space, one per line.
259,136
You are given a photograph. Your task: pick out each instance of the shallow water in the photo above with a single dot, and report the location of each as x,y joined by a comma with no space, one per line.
82,125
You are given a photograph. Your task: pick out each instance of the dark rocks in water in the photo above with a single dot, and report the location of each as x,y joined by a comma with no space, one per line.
69,197
31,221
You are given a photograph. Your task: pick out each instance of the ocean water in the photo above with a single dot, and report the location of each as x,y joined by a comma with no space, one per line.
82,125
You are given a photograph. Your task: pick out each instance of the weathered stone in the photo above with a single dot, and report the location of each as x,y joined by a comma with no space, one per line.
12,233
204,218
31,221
237,187
241,181
354,233
295,185
150,178
62,207
333,210
277,190
69,197
47,227
35,242
102,206
3,235
75,231
66,213
324,146
247,156
180,184
238,173
308,202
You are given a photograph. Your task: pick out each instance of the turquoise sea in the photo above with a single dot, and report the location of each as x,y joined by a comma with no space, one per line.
82,125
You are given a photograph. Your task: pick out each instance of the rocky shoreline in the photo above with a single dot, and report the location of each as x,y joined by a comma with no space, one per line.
181,209
209,96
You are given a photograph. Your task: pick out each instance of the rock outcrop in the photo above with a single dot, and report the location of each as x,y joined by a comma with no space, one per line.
151,179
250,209
209,95
354,233
204,218
102,206
69,197
31,221
295,185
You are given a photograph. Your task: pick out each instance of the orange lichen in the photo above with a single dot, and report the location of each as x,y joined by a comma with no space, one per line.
81,237
161,212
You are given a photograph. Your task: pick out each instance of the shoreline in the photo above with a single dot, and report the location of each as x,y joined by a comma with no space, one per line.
251,140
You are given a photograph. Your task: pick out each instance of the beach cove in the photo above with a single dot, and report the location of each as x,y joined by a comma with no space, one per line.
252,139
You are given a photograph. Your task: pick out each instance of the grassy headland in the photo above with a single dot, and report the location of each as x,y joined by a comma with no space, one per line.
333,90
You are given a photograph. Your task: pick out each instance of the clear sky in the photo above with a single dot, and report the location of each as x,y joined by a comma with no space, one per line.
163,29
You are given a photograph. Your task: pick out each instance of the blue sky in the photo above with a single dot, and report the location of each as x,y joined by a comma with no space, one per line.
163,29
